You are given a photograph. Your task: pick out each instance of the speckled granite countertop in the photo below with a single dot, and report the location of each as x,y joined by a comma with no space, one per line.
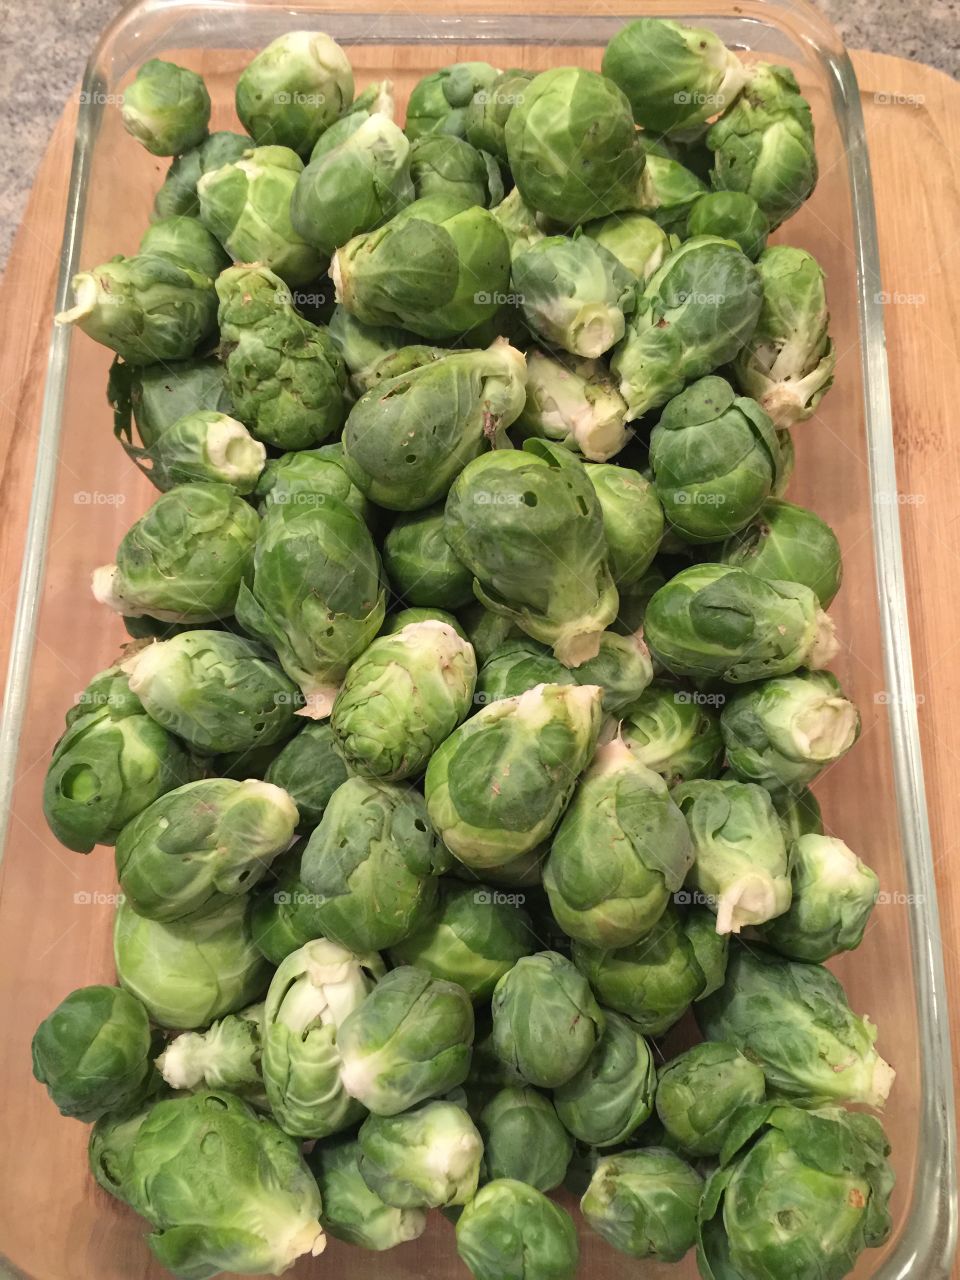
45,44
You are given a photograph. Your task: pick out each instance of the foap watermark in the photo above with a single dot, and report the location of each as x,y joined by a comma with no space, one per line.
92,699
299,898
894,498
95,498
97,898
702,299
695,98
497,299
497,898
297,498
96,98
487,499
698,698
495,98
695,898
893,99
897,898
296,99
885,698
687,498
899,298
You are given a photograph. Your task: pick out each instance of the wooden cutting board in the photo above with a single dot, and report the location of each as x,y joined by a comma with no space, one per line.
913,127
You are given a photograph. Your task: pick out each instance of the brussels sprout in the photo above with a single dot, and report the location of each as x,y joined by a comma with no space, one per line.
788,363
110,1150
420,564
511,1231
523,1138
634,598
486,630
799,813
223,1188
794,1020
309,768
225,1056
781,733
187,242
572,146
189,851
294,89
190,972
486,117
764,144
316,596
178,195
307,477
246,204
311,994
474,939
731,215
622,668
363,346
497,786
645,1204
673,732
653,981
410,1040
789,455
93,1053
111,762
353,187
694,314
203,445
147,308
714,621
798,1194
668,190
546,1022
185,560
395,622
519,222
217,691
676,77
786,543
573,402
372,863
632,520
699,1092
408,437
529,526
166,108
439,102
156,397
283,916
423,1159
711,949
574,293
516,666
444,165
612,1095
439,267
401,698
351,1211
633,238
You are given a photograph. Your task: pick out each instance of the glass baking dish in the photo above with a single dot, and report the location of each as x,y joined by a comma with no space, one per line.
56,907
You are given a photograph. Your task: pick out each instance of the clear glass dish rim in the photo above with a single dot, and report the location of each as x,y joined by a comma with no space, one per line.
928,1243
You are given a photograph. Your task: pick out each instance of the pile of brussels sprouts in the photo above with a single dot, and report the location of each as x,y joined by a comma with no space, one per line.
463,745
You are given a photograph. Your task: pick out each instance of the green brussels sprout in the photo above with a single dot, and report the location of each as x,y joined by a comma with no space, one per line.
309,768
316,596
420,564
410,1040
781,733
788,362
246,204
699,1092
636,240
188,973
372,864
714,621
311,994
439,102
395,622
283,916
622,669
711,949
363,346
833,896
632,519
293,90
401,698
514,667
353,187
764,144
423,1159
486,630
306,477
203,445
794,1020
519,222
351,1211
789,455
676,77
497,786
787,543
612,1095
668,189
177,196
111,762
511,1231
574,293
572,146
156,397
694,314
573,401
217,691
187,242
645,1204
146,308
93,1053
715,459
110,1150
444,165
621,851
546,1022
673,732
166,108
485,121
203,843
223,1188
634,598
799,813
731,215
652,982
523,1138
186,559
225,1056
439,267
798,1193
408,438
286,377
529,526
